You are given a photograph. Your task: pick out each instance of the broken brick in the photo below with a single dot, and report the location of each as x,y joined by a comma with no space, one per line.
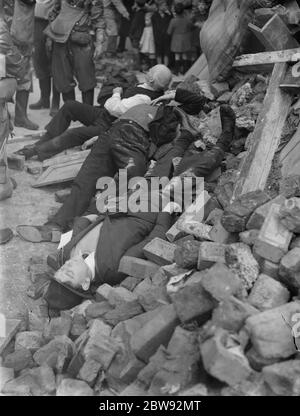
273,324
259,215
154,333
289,214
70,387
191,301
102,292
16,162
210,253
89,372
249,237
220,282
119,296
283,378
289,268
274,239
97,310
267,293
223,359
18,360
186,256
32,340
57,326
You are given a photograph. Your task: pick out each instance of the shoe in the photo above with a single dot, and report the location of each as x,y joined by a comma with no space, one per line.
88,97
6,235
39,233
21,119
228,126
44,101
28,151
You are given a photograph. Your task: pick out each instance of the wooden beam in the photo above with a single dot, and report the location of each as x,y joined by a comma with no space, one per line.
265,60
256,166
274,35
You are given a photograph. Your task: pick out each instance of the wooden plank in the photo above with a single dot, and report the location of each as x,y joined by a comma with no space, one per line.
82,155
199,69
264,61
59,173
256,165
31,136
11,328
274,35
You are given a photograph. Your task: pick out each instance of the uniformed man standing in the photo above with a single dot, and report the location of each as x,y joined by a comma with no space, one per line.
74,26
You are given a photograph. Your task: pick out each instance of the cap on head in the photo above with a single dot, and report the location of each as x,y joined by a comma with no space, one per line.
160,77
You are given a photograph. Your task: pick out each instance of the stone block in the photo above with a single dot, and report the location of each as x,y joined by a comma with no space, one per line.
6,374
89,372
186,256
57,326
97,310
249,237
289,268
289,214
130,282
18,360
258,217
210,253
16,162
119,296
102,292
56,354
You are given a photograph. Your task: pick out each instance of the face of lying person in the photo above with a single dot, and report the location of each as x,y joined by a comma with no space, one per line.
75,273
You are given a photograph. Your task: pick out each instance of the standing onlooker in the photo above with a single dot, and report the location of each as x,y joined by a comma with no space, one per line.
111,10
71,42
160,23
41,60
180,30
22,32
147,46
125,26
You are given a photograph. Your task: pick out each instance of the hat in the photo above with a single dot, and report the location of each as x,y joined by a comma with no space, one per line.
160,76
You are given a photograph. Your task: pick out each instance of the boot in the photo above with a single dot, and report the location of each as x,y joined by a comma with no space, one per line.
88,97
21,119
69,96
55,101
44,101
228,127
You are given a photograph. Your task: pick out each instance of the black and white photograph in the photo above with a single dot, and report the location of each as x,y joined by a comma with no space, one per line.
149,204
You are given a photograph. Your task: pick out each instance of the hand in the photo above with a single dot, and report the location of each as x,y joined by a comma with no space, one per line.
166,97
118,90
98,51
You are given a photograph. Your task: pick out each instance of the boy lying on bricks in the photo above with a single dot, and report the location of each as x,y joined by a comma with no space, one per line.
95,120
93,255
129,139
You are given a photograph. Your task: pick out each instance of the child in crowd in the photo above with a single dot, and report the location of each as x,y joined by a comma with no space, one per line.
160,23
147,47
180,30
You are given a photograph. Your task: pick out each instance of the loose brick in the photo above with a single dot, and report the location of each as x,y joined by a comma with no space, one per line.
274,239
220,235
241,262
186,256
70,387
89,372
97,310
283,378
259,215
102,292
232,313
249,237
119,296
210,253
289,214
220,282
6,374
16,162
267,293
269,268
289,269
57,326
156,332
130,283
56,354
226,364
191,301
160,251
135,267
273,324
32,340
18,360
233,223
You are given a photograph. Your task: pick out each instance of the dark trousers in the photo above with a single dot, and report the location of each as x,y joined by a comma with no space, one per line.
71,60
124,146
41,61
59,137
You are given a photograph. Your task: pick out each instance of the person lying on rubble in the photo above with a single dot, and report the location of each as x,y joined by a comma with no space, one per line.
126,145
93,255
96,120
